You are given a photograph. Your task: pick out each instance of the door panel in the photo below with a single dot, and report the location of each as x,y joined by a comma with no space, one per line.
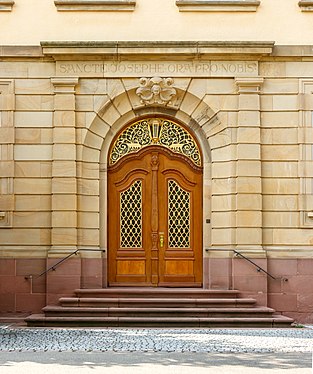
155,227
181,189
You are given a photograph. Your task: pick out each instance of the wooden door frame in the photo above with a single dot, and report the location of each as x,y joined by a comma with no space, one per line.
204,147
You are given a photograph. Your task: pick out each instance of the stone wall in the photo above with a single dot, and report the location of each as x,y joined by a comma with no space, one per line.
62,107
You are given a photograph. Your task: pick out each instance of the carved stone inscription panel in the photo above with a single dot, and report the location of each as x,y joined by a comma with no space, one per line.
152,68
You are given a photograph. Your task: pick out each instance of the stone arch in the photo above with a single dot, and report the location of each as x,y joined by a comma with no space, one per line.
194,112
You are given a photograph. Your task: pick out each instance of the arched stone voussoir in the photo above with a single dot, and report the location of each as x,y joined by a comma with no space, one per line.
203,113
98,126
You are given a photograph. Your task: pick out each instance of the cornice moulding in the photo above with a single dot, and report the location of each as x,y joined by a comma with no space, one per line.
95,5
64,50
306,5
6,5
218,5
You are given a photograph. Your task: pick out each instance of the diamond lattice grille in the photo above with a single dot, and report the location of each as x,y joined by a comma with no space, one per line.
131,216
178,216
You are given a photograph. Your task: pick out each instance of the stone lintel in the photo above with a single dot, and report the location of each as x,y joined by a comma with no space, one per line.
23,51
249,85
218,5
6,5
135,50
306,5
139,49
95,5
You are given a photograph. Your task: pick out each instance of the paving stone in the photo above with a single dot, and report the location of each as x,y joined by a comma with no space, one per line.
157,340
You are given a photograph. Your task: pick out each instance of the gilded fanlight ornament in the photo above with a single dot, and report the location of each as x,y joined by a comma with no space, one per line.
156,90
155,131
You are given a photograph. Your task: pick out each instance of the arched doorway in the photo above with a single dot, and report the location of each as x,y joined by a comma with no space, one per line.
155,206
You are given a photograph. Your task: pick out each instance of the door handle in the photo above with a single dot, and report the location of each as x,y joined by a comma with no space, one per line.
161,239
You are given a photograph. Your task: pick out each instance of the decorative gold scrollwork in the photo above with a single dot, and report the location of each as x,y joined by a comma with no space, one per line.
155,131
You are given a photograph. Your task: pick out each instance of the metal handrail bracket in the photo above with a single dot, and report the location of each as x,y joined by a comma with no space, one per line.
259,268
53,267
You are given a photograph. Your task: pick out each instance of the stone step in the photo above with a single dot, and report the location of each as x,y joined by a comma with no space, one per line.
42,320
261,312
123,292
155,302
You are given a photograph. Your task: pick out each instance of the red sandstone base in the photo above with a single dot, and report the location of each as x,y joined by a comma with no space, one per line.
290,293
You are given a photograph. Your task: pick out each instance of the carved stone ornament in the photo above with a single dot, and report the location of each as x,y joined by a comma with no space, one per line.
156,90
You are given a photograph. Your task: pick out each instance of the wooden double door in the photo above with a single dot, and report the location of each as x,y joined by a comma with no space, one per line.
155,220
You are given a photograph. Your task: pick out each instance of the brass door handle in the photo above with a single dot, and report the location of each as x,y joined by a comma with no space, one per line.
161,239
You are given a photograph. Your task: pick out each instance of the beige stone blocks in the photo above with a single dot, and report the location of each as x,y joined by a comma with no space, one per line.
88,187
223,237
88,220
249,102
32,169
33,136
281,219
280,119
64,185
64,219
32,152
280,203
89,237
6,203
248,135
64,151
63,202
64,168
32,219
280,186
248,118
24,237
280,85
64,135
245,218
34,102
25,203
84,103
223,219
280,136
6,169
61,236
33,119
278,168
221,102
249,202
29,186
280,152
33,86
222,138
249,168
280,103
295,236
223,203
223,186
6,135
64,118
249,151
64,102
87,203
248,185
223,169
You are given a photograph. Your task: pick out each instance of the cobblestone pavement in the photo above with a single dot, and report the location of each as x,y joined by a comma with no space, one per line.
156,340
